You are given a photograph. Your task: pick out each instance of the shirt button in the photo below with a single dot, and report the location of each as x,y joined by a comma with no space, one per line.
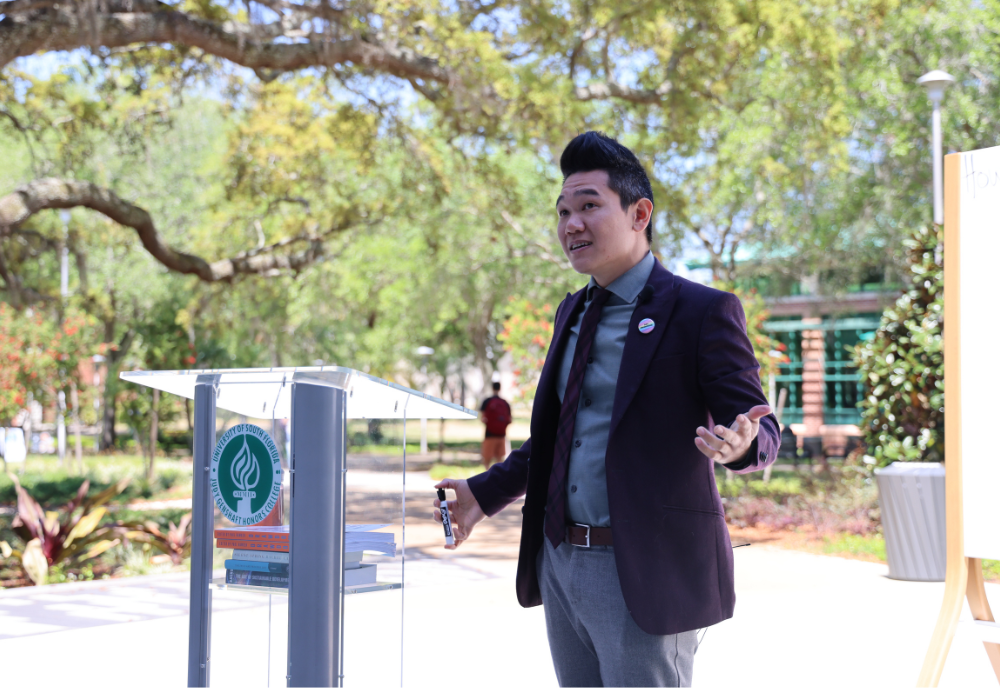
577,443
572,488
590,359
587,402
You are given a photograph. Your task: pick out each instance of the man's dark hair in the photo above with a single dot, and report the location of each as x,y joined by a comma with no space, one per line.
593,150
496,386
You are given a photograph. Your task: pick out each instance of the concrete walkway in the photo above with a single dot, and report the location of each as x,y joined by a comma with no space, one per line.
801,619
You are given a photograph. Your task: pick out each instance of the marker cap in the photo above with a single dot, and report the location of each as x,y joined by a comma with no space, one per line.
441,494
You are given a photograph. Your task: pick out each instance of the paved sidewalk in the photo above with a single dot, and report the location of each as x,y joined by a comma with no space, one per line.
31,611
801,619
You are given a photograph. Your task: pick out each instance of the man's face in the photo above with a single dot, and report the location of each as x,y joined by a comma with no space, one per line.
598,237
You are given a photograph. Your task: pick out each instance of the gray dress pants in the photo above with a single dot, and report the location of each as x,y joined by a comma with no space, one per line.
592,637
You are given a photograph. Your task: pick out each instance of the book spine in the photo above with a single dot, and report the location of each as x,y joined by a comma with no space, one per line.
255,555
258,578
256,537
244,544
262,566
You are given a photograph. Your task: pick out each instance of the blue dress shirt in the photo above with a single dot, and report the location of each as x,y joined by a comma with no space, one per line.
586,484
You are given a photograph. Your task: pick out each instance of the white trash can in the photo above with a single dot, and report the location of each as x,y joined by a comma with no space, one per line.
911,498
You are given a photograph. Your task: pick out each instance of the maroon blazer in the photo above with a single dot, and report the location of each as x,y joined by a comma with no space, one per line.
672,548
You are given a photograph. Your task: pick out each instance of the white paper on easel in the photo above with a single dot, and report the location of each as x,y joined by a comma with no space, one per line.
979,217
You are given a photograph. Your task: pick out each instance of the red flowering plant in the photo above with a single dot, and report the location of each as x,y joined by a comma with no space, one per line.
526,334
39,355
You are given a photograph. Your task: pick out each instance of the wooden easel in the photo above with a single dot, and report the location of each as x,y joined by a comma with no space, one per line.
963,575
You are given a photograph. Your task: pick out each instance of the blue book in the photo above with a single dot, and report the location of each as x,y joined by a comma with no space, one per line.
262,566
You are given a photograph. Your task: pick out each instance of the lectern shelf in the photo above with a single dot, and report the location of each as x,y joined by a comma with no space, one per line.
319,401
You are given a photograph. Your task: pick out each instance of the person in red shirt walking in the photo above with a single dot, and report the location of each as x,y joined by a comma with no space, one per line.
495,414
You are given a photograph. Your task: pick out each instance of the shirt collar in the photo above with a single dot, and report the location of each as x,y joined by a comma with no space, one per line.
628,285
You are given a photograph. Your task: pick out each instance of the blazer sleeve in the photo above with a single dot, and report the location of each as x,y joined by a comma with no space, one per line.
504,483
729,379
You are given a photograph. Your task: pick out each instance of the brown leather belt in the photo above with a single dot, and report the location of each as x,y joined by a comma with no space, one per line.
588,536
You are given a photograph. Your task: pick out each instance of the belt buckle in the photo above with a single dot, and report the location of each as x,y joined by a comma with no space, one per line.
582,525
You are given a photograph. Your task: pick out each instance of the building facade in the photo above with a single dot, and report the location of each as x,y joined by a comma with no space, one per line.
821,384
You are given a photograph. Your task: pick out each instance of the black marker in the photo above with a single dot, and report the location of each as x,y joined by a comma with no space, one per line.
449,539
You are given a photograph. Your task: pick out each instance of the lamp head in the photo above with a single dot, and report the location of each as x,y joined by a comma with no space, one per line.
936,82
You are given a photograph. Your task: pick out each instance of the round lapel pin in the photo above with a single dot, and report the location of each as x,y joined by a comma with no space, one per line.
646,325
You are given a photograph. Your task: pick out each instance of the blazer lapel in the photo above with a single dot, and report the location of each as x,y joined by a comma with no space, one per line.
639,347
560,331
546,390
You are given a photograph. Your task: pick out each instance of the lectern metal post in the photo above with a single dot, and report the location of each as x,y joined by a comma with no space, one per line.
315,611
202,518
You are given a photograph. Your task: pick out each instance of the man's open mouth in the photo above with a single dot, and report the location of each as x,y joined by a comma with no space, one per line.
576,245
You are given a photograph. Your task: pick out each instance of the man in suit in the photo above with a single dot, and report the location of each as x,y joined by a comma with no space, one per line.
650,381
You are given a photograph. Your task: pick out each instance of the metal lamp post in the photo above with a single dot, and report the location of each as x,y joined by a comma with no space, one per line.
936,82
65,216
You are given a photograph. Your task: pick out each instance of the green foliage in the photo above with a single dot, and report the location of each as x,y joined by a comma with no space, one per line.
54,544
846,502
779,488
787,133
51,485
903,366
174,541
75,536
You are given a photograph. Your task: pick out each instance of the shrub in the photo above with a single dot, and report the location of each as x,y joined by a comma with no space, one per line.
903,365
845,505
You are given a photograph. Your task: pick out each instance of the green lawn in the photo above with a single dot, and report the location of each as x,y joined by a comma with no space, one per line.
53,485
458,470
873,546
863,546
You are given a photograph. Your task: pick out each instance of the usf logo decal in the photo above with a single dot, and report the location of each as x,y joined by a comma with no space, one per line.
246,474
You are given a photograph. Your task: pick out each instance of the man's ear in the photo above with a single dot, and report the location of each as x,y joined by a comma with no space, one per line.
642,211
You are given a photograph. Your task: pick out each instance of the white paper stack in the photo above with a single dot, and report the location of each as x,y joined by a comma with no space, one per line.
361,537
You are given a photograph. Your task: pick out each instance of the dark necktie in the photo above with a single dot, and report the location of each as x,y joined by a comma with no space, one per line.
555,516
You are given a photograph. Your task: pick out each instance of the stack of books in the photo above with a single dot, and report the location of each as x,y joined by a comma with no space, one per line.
260,554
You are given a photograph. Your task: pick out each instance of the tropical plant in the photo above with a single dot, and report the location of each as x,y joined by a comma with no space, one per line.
75,535
175,543
902,367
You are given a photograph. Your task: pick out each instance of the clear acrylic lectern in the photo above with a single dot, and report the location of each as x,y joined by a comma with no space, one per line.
341,438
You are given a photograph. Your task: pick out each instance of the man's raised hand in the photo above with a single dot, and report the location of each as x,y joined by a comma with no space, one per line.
726,445
464,510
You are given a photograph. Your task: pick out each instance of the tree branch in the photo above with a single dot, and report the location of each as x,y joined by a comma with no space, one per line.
44,194
131,22
542,249
612,89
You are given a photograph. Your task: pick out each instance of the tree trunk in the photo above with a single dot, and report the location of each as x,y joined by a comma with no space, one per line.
108,435
154,429
74,400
